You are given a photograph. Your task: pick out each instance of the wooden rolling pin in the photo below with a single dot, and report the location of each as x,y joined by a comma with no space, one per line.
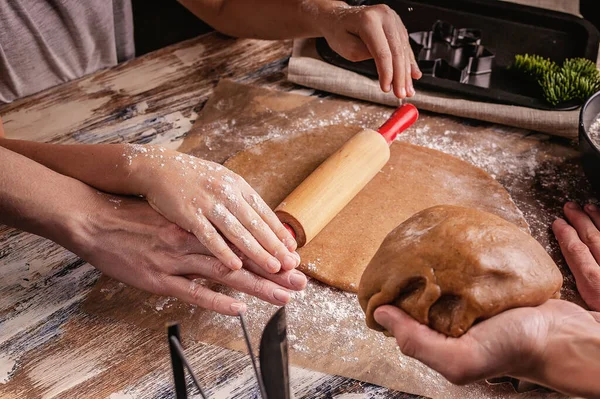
319,198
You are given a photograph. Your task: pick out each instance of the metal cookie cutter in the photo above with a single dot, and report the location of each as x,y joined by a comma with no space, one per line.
273,375
447,52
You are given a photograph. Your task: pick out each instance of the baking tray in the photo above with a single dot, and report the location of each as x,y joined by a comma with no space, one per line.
505,29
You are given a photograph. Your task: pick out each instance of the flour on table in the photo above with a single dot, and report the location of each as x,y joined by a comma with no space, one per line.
335,316
331,313
222,133
7,366
163,302
594,131
313,266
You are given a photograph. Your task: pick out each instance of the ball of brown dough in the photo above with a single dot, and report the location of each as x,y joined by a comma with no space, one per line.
449,267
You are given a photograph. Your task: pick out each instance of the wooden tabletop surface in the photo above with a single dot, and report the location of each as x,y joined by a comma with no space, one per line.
49,347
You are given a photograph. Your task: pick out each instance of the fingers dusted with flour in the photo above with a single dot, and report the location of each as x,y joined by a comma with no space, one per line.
579,241
196,293
129,241
200,272
202,197
269,217
208,235
215,204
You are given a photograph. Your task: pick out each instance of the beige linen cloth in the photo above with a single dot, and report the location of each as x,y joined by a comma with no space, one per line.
306,68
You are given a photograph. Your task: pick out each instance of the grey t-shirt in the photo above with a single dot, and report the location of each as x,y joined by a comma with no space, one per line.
47,42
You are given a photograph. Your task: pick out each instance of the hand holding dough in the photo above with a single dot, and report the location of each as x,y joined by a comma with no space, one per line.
449,266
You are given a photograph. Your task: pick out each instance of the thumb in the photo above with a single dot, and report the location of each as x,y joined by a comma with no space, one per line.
414,338
388,317
455,359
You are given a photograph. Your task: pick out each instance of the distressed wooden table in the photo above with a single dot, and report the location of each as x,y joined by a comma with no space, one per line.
49,347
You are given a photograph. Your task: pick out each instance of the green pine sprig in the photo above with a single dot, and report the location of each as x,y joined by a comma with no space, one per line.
576,79
534,65
581,66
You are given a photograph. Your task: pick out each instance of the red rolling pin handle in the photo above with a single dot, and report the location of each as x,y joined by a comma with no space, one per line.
400,120
289,228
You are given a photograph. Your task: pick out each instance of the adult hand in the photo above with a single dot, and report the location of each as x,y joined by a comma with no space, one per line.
355,32
206,199
129,241
555,344
201,197
364,32
579,241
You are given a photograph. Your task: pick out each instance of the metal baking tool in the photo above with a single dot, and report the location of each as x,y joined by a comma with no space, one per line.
272,374
261,385
178,361
274,365
447,52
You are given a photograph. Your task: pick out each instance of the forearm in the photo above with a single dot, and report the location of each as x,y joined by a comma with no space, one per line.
572,361
38,200
107,167
265,19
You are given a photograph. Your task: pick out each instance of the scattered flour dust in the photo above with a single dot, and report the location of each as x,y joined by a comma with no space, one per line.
7,367
528,174
488,154
163,302
594,131
540,175
224,133
313,266
335,316
325,314
325,308
115,201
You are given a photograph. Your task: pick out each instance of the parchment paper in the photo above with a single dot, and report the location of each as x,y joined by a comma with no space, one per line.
326,326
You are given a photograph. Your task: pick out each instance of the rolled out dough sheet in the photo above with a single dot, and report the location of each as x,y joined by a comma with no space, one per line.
414,178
